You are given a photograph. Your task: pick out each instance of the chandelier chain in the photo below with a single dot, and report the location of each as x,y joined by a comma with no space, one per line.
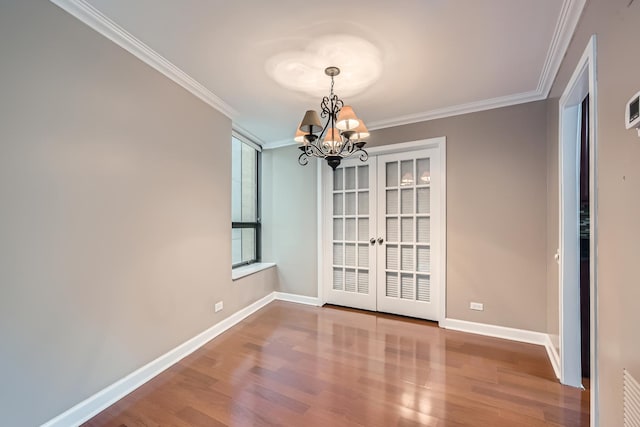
331,86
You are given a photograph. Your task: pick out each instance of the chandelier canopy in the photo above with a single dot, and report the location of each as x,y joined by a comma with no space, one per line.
341,136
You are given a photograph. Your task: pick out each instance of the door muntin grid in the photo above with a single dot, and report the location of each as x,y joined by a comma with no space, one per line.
351,224
407,222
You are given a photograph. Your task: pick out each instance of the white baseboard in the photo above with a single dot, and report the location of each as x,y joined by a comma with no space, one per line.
554,357
512,334
91,406
300,299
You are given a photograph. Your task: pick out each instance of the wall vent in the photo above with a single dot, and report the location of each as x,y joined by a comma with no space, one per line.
631,401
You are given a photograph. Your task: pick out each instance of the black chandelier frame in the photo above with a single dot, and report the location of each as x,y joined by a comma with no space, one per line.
313,147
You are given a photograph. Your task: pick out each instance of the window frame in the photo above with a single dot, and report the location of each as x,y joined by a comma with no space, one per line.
257,225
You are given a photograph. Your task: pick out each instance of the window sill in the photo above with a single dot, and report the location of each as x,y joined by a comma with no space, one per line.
240,272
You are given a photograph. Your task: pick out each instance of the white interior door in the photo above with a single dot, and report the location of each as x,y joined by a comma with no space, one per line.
350,260
408,222
382,234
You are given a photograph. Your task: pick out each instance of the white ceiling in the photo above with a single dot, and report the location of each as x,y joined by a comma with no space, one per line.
421,58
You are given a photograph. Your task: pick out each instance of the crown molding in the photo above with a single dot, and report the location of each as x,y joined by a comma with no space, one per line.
440,113
248,135
279,144
456,110
565,28
95,19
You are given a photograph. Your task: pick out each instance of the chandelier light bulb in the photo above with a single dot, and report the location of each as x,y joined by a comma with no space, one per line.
347,119
299,137
360,133
333,140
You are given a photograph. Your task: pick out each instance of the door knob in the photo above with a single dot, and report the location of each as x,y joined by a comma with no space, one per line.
372,241
380,240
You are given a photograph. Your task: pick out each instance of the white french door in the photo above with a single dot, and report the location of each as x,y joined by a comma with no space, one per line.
408,199
384,252
350,193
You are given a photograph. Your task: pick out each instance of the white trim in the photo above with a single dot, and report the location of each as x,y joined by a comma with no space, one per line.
246,137
569,268
101,400
565,27
320,232
554,358
439,113
91,406
114,32
443,225
593,243
246,270
279,144
520,335
299,299
582,82
436,142
456,110
321,220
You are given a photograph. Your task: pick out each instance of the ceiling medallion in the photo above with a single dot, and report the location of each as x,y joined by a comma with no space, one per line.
341,136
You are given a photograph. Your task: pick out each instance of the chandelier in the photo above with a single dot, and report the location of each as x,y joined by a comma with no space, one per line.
341,136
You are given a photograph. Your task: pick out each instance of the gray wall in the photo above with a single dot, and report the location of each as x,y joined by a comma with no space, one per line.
114,248
496,206
290,219
496,211
617,27
114,214
553,232
553,212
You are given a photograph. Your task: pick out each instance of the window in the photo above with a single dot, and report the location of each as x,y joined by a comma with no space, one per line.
245,208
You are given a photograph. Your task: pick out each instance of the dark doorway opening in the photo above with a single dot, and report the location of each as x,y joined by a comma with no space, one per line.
585,221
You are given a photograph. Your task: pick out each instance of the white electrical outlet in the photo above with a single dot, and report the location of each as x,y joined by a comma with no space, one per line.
476,306
219,306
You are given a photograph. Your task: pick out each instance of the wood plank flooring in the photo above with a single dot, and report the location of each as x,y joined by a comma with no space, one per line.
295,365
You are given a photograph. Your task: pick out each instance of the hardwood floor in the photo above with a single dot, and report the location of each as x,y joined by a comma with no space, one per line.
295,365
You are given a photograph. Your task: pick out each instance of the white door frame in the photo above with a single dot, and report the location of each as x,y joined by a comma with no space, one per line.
324,237
583,82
